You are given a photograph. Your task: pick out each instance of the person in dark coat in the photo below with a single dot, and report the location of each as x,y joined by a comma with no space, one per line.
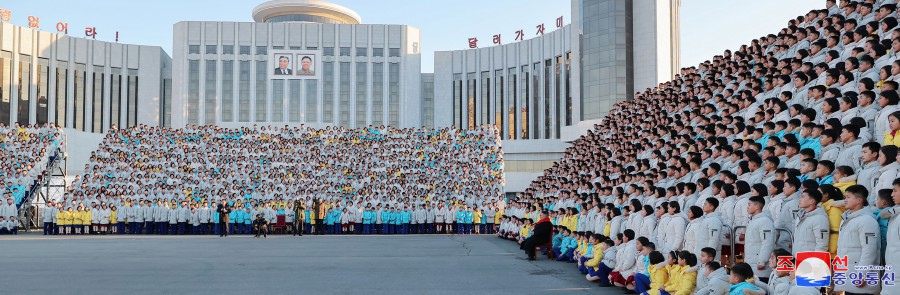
543,232
223,209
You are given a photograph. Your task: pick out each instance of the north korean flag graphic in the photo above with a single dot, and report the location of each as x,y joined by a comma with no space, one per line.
813,269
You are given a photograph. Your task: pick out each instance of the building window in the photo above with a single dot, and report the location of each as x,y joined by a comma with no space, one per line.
470,88
378,52
485,117
292,47
166,102
97,104
61,97
345,51
5,86
498,102
296,99
394,99
312,100
311,48
245,50
362,51
212,49
115,97
227,49
535,100
132,97
328,92
79,96
244,92
512,105
344,105
377,94
361,94
43,85
328,51
428,103
394,52
262,108
193,99
227,91
524,99
262,50
24,106
457,101
193,49
278,100
549,97
568,89
209,107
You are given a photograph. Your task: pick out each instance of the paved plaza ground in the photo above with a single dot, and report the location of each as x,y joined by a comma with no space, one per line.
413,264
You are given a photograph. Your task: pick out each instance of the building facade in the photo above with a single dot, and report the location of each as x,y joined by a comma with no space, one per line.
546,91
81,84
367,74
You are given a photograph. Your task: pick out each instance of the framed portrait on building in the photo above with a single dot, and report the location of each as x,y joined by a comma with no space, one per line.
294,64
306,65
283,64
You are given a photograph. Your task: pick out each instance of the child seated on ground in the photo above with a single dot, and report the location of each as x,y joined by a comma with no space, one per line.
658,274
742,279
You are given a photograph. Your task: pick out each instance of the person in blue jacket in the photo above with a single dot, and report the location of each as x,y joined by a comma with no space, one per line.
329,225
398,220
307,220
368,218
232,219
404,223
460,221
248,221
238,220
214,220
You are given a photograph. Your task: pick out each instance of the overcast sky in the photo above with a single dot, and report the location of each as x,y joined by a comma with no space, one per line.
708,27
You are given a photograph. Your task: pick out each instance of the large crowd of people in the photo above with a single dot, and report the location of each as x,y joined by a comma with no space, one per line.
212,180
25,153
787,145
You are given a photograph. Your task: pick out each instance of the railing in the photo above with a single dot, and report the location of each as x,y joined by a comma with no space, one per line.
25,216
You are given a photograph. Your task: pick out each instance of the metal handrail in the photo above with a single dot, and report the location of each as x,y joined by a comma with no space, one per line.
790,234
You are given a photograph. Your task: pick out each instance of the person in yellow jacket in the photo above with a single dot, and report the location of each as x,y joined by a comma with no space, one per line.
593,265
673,271
892,137
86,221
833,203
687,277
77,217
113,222
62,222
843,178
476,220
659,276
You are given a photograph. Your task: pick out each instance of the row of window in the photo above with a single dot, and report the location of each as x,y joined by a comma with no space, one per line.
302,95
264,50
121,88
516,101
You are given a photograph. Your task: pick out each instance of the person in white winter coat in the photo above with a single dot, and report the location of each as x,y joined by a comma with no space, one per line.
716,280
709,231
695,217
868,173
859,238
811,231
673,229
887,100
759,238
787,211
893,235
648,224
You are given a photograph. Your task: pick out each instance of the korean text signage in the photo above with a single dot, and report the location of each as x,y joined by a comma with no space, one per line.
520,34
818,269
34,22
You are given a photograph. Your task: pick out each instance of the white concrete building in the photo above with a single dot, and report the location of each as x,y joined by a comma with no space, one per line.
546,91
369,74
